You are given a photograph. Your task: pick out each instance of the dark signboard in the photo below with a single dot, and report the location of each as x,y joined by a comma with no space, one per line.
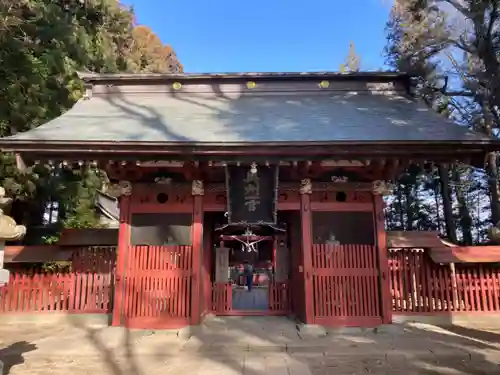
252,194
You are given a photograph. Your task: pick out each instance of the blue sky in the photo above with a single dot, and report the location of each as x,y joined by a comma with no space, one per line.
265,36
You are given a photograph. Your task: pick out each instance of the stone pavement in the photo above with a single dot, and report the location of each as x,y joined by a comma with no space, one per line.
250,346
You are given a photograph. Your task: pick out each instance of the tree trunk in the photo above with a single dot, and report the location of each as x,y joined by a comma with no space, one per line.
451,230
492,171
463,210
401,210
409,208
436,202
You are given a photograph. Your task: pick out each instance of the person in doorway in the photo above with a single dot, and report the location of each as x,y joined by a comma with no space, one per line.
248,273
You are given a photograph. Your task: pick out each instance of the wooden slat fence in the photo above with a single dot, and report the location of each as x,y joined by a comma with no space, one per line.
279,297
420,286
158,286
222,298
346,285
86,288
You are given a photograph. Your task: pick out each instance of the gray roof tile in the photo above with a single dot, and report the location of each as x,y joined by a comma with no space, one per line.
273,117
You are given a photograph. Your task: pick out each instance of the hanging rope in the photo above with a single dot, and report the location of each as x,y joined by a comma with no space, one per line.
247,244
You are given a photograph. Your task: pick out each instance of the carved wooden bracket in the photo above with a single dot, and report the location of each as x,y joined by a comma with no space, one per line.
197,188
119,189
305,186
381,188
494,232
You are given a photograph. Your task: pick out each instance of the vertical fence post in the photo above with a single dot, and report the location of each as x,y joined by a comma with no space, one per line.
454,287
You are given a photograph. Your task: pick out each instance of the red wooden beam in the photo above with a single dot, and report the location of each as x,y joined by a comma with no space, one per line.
35,254
243,237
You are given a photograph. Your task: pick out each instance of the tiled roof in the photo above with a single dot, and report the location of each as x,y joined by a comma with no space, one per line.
270,117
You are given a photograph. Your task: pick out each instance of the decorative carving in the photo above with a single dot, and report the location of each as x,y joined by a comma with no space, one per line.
380,187
339,179
197,188
9,230
494,232
305,186
163,180
119,189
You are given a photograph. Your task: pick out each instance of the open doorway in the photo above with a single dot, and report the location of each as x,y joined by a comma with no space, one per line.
247,281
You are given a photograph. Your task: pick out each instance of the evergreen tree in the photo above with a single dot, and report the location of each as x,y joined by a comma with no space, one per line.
43,44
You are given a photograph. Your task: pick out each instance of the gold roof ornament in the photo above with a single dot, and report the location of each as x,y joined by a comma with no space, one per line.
251,85
177,86
324,84
9,230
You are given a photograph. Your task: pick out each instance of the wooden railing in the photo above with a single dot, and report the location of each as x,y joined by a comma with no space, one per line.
420,286
158,286
86,288
222,298
279,297
345,285
82,293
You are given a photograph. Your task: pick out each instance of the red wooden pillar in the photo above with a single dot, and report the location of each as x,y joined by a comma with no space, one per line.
306,228
122,251
383,261
197,232
206,282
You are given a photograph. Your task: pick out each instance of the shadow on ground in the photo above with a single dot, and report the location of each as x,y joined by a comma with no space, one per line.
253,346
13,354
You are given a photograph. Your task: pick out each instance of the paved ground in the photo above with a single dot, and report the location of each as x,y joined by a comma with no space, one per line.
257,299
249,346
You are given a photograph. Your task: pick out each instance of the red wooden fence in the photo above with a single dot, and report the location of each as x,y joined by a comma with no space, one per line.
346,285
158,287
222,298
279,297
87,288
420,286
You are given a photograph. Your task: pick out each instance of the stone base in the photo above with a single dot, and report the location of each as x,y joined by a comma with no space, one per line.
310,331
484,320
58,319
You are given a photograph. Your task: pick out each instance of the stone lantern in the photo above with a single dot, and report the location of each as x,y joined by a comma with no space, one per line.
9,231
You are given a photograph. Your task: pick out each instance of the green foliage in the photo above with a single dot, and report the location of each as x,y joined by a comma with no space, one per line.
77,192
19,184
56,267
50,240
43,44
